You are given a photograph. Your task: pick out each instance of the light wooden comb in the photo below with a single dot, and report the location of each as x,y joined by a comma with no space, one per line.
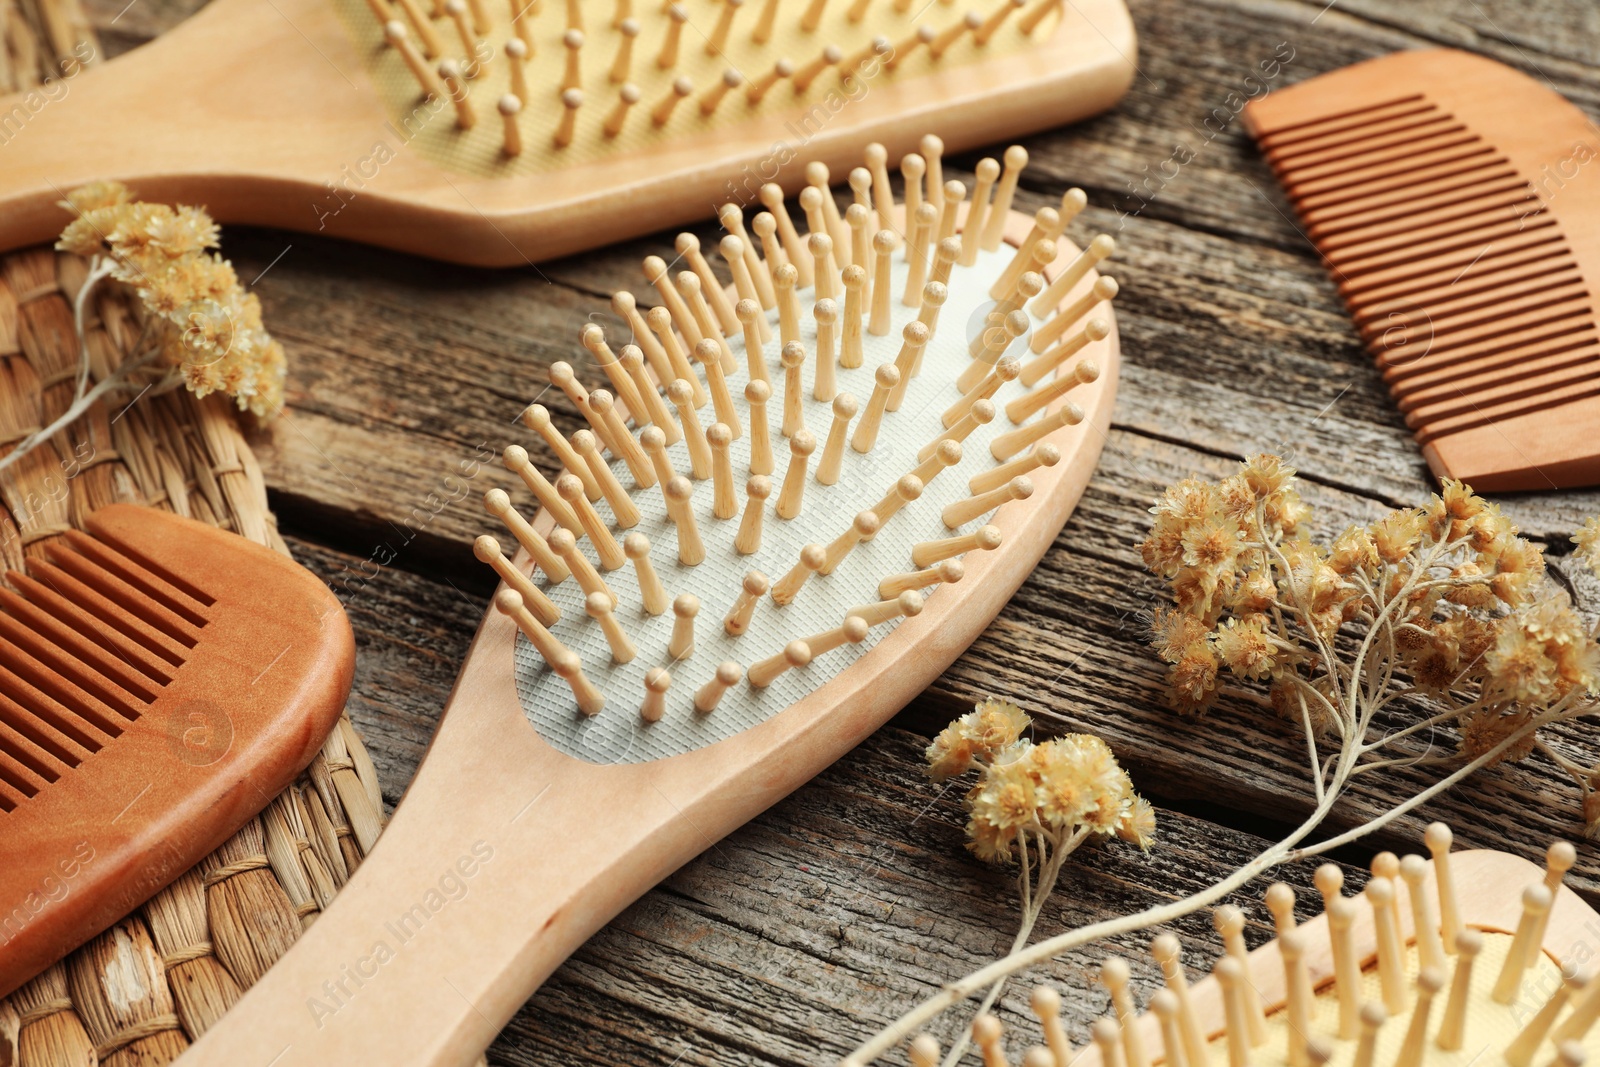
1444,191
160,681
551,798
1500,973
297,114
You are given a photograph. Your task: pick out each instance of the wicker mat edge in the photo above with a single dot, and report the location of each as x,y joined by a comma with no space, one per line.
185,957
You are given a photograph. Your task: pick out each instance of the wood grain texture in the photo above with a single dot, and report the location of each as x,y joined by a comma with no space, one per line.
826,917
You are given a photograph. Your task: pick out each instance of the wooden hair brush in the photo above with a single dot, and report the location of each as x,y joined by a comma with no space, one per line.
1446,193
813,519
160,681
499,133
1472,957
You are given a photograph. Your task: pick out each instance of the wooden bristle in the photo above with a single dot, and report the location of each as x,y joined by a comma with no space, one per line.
1046,1004
907,605
1104,290
456,89
983,539
1229,922
709,695
570,669
788,587
1280,902
1010,443
986,172
1536,900
682,397
709,354
622,505
498,503
487,549
1165,1007
864,525
1024,407
684,610
866,435
981,413
962,512
1043,454
1391,965
905,490
565,545
765,672
791,496
509,603
1522,1049
1107,1037
1036,368
951,570
656,683
518,462
1453,1028
1115,975
590,522
417,62
1430,948
1231,978
637,548
724,503
598,606
748,540
1437,837
845,407
1373,1016
1168,953
1346,967
1097,252
757,394
1297,982
691,550
754,587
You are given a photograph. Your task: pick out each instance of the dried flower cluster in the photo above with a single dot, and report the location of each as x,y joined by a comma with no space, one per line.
1438,619
1054,791
201,325
1034,804
1442,613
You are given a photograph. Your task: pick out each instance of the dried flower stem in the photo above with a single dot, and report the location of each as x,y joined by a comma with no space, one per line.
1021,959
1441,612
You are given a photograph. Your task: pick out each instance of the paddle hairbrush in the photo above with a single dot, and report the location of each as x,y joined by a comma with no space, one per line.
1473,957
160,681
1441,188
496,133
782,550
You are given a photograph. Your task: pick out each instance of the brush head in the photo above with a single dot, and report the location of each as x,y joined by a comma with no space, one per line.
865,513
160,681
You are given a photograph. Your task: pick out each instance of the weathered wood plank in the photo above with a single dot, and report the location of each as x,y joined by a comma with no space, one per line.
833,912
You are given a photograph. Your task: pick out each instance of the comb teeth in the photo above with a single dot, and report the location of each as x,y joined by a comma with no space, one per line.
88,639
1439,212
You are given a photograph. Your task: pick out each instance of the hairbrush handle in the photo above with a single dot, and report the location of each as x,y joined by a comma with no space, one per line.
503,857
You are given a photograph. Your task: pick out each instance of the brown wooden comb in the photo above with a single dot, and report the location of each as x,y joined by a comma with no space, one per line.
160,681
1444,190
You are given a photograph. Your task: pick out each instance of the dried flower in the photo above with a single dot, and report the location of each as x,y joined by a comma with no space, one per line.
1444,604
203,330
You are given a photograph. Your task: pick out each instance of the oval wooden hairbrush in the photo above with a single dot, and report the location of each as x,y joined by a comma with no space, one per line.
585,122
1475,956
783,549
160,681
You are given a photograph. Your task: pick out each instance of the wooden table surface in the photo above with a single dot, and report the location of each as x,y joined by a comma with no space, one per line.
845,904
